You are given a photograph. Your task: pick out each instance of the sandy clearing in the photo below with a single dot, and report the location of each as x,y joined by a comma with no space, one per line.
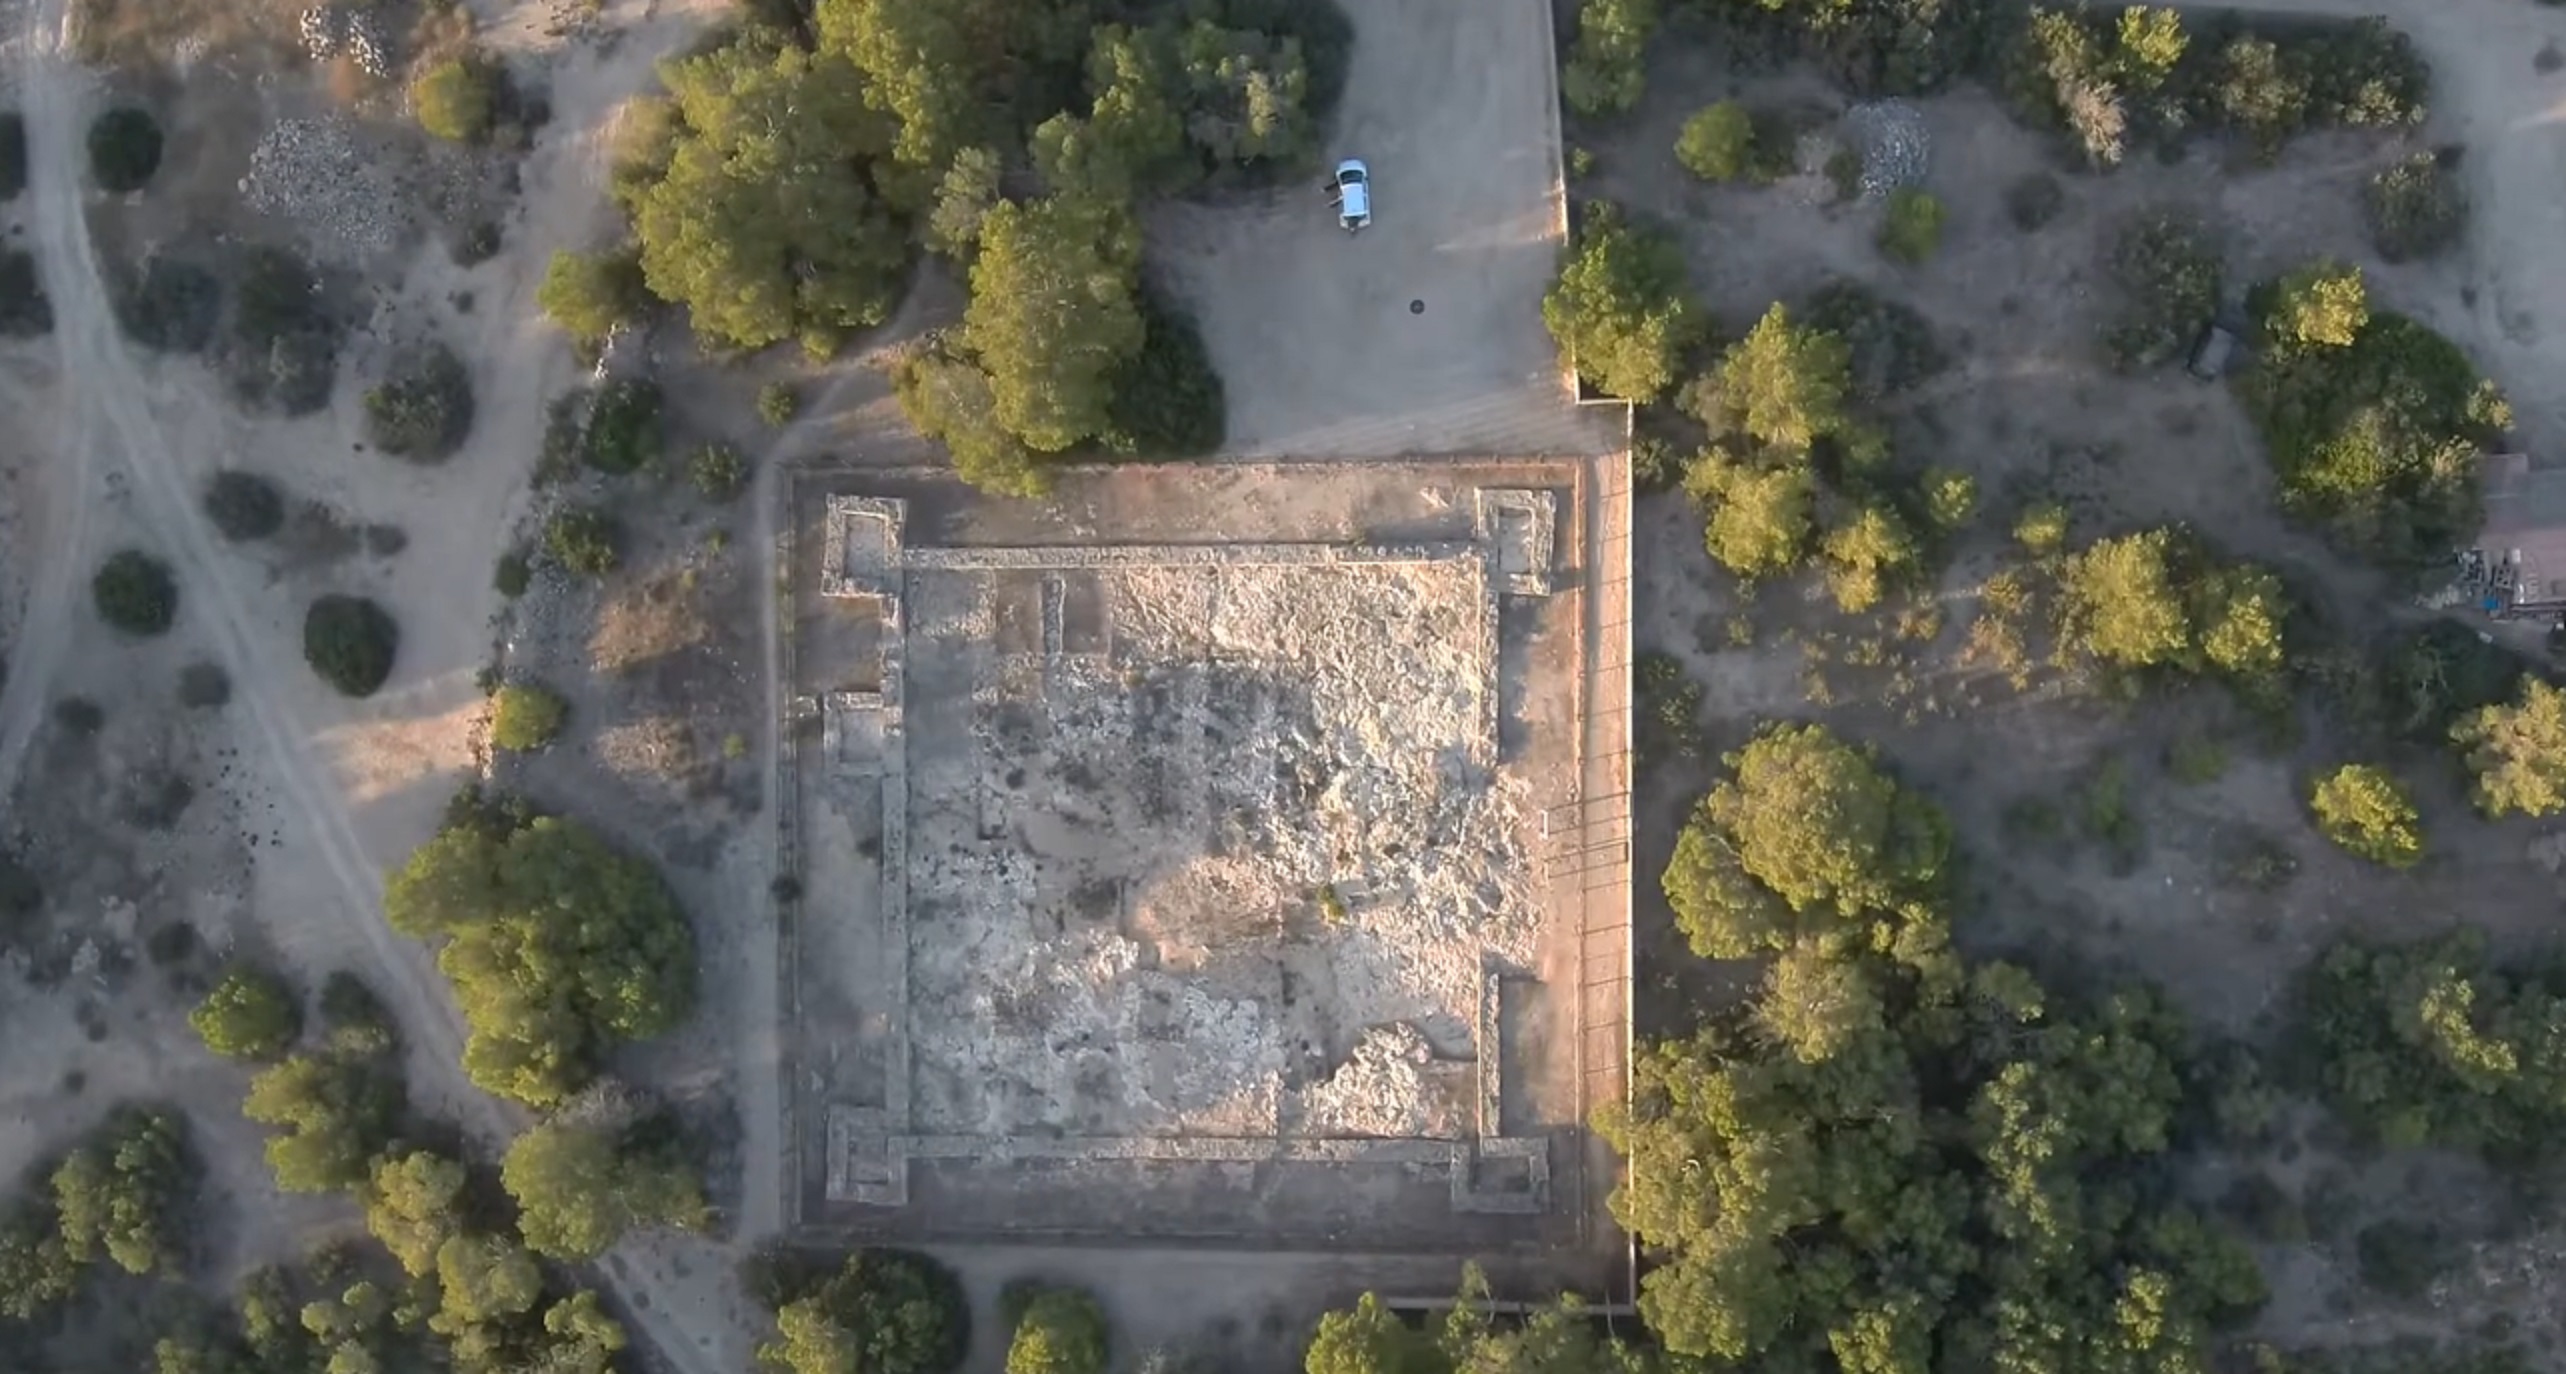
1421,335
362,781
2488,93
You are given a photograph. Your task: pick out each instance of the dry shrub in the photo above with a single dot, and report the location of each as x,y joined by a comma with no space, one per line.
647,622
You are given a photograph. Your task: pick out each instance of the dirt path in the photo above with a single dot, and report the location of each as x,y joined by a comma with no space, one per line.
148,428
2488,93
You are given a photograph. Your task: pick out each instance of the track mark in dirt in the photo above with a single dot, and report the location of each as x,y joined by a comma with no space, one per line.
114,416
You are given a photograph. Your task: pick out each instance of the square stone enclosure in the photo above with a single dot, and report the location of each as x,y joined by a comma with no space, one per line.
1179,856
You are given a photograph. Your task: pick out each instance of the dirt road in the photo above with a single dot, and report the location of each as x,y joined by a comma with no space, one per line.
2489,94
157,426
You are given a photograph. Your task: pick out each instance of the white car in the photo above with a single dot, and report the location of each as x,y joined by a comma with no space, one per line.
1352,192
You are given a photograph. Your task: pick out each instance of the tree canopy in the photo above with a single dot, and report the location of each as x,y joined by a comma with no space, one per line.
2372,422
579,1187
557,945
2363,809
1805,834
1622,310
763,220
118,1194
250,1014
881,1311
2518,751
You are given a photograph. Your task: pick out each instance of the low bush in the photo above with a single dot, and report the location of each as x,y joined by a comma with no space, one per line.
135,593
283,345
204,686
525,716
13,154
423,411
1718,143
2416,209
124,149
171,305
25,312
351,642
1913,229
512,576
778,403
251,1014
243,505
623,429
2033,200
460,99
1891,345
718,471
2363,809
2402,1258
582,540
2169,274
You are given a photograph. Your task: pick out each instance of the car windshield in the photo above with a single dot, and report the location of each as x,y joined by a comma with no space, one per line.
1351,176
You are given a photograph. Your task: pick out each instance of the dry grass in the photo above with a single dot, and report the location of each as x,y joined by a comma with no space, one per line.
660,751
646,622
125,33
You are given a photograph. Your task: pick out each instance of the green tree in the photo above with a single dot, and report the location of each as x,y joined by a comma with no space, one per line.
758,221
591,295
1053,316
1759,517
37,1271
2518,751
120,1192
950,399
459,99
557,945
2121,601
337,1111
251,1014
1622,311
1865,554
965,195
881,1312
414,1205
1785,385
578,1188
1718,142
1370,1339
1060,1331
2377,441
1606,68
1804,834
2361,808
526,716
2322,305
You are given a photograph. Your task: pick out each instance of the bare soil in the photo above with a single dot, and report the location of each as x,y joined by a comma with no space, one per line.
2030,408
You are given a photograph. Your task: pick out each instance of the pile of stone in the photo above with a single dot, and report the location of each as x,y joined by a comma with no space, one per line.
1890,138
313,172
328,31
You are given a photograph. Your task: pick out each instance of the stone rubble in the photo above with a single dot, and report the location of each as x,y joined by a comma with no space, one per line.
1891,138
328,31
313,172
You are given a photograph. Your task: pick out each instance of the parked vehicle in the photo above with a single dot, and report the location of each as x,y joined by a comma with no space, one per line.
1351,191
